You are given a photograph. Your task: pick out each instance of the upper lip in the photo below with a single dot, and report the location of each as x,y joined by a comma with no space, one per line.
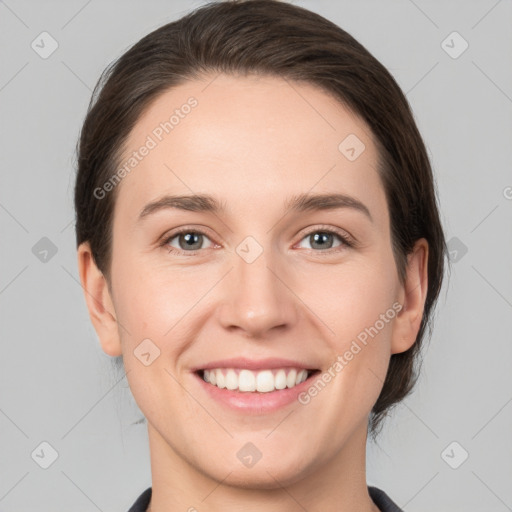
253,364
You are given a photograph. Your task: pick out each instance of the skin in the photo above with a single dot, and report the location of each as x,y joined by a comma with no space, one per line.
252,142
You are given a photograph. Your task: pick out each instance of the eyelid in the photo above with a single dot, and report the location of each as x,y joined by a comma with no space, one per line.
168,236
345,236
347,240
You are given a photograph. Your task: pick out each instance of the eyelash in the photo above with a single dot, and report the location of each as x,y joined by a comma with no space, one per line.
347,242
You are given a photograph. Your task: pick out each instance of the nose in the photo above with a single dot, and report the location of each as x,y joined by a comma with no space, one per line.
257,298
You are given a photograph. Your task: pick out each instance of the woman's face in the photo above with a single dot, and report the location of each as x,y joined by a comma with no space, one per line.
263,282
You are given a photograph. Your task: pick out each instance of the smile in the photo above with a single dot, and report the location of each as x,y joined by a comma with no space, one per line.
263,381
255,402
254,387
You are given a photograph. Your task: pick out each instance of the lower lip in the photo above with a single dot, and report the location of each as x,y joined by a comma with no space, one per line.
254,402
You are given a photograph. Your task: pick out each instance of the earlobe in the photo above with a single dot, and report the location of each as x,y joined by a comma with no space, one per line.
99,302
412,297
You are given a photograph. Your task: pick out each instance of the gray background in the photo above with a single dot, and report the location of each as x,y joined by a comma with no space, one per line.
56,385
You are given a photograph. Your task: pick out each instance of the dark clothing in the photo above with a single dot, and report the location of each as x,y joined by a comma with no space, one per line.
380,498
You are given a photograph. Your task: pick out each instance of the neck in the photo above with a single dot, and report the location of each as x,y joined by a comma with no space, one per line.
337,484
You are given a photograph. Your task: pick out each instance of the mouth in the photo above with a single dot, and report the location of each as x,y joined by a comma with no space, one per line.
243,380
254,392
253,387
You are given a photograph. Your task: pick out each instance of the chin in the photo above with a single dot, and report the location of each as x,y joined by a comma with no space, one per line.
265,474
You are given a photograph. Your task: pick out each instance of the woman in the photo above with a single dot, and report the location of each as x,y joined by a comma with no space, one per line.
259,240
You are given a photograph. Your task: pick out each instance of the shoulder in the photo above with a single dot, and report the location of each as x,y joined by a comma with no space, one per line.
382,500
379,497
142,502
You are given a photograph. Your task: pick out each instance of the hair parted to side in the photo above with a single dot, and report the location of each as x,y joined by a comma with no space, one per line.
275,38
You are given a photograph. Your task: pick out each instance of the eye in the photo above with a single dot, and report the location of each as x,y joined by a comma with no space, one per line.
189,241
323,239
186,241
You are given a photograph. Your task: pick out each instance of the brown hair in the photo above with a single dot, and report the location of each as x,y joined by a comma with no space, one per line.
269,37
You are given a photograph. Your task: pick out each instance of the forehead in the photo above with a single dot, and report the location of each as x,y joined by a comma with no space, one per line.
248,140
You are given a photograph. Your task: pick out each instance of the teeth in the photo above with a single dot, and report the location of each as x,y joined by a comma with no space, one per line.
263,381
247,381
291,379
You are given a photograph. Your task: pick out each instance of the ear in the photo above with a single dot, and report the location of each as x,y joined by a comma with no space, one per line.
99,302
412,297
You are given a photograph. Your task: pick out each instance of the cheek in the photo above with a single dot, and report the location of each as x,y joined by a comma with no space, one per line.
148,298
362,306
361,312
155,309
159,304
351,297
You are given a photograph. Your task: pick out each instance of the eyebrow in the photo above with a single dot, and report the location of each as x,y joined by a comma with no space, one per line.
296,203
